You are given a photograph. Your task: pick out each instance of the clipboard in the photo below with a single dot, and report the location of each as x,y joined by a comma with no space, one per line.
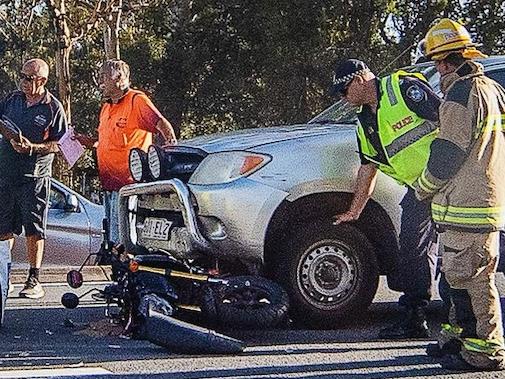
70,147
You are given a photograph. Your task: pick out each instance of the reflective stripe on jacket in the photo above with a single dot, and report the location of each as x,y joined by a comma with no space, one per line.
473,118
405,137
468,216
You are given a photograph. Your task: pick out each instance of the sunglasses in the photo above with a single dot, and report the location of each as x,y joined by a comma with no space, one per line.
23,76
343,91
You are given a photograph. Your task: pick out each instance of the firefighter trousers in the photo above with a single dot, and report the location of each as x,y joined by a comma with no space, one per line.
469,262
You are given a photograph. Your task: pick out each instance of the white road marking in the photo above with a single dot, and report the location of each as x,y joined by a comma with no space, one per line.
63,284
53,372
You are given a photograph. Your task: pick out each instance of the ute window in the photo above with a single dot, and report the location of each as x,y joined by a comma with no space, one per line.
498,76
343,113
339,113
56,199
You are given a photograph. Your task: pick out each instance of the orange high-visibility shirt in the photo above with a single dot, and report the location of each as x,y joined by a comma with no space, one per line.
123,126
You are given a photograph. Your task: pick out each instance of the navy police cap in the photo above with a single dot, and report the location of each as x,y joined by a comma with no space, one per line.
345,72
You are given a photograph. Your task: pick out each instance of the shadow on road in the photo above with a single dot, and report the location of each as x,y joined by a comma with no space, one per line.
56,336
53,336
313,371
362,329
43,336
330,370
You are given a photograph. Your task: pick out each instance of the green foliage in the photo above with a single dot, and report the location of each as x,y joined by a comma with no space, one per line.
215,65
240,64
486,21
17,39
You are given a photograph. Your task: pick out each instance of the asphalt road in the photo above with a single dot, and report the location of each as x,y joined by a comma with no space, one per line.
42,339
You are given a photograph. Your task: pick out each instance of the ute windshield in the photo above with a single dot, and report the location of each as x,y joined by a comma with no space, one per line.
344,113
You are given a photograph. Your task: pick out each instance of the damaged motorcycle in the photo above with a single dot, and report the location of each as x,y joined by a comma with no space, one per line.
152,293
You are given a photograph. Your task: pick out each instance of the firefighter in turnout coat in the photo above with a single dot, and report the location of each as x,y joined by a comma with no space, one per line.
465,180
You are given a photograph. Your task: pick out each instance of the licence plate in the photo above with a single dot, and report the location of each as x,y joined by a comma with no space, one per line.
156,228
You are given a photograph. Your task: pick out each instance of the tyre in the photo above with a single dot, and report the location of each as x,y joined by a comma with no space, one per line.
246,302
330,273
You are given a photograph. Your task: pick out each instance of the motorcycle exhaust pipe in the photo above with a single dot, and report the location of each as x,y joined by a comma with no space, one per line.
182,337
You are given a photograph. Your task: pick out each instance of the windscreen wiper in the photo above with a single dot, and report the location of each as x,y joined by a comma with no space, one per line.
331,121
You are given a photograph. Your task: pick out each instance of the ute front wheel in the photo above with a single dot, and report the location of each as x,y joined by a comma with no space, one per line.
330,273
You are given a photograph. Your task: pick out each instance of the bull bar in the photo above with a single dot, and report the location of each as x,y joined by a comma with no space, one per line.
197,241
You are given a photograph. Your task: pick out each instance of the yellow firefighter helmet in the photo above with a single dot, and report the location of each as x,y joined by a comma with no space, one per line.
448,36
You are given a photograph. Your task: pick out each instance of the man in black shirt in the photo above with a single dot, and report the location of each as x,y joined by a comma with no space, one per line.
26,157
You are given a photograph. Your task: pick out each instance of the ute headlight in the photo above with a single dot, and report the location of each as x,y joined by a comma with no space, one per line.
228,166
154,161
137,162
159,162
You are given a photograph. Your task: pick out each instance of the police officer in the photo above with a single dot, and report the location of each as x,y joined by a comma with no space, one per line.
465,182
396,125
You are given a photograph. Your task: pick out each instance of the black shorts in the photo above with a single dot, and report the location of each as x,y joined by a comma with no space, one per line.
24,205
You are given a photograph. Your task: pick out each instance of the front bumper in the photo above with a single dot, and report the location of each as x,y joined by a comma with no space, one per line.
227,221
182,240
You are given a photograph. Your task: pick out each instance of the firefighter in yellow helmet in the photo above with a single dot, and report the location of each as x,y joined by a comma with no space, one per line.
464,179
447,37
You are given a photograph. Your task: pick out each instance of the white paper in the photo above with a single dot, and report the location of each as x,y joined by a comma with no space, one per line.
70,147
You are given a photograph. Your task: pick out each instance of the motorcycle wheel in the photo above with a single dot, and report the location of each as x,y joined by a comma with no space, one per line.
246,302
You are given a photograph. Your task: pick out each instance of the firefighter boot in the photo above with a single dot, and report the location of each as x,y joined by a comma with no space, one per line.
412,325
451,347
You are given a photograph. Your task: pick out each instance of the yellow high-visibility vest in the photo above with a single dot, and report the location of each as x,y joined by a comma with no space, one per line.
405,137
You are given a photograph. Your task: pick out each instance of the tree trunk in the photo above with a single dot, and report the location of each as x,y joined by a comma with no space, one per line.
111,32
64,47
63,75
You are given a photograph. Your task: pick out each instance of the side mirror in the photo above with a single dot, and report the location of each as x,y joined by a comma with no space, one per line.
71,203
70,300
74,279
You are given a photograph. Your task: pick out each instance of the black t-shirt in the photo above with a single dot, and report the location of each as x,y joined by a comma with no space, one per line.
419,98
42,122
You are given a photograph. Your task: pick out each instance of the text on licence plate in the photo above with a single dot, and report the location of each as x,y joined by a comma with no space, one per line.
156,228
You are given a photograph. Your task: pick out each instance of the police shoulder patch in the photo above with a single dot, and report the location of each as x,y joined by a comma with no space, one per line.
416,93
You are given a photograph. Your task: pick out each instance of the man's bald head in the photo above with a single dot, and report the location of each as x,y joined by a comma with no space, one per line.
33,77
36,67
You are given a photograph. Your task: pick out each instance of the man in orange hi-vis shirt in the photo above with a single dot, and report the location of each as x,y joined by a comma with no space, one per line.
128,119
